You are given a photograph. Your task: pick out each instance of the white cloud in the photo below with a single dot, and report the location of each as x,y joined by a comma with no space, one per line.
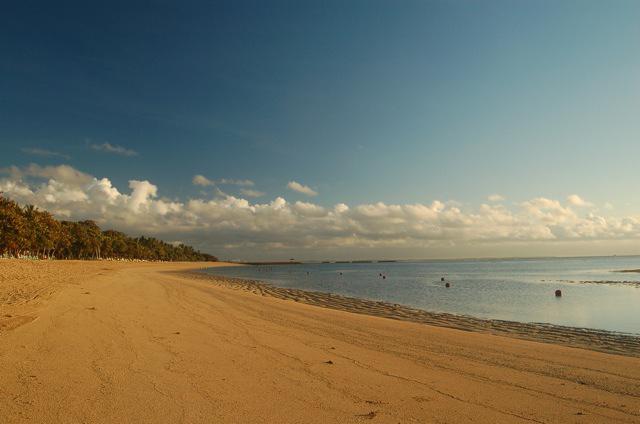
251,193
495,198
576,200
61,173
242,183
341,208
548,210
113,148
36,151
279,228
142,192
201,180
296,186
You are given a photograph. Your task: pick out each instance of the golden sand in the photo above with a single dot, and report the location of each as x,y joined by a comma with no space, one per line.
104,342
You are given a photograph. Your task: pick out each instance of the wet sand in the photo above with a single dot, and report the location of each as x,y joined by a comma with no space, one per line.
585,338
113,342
604,282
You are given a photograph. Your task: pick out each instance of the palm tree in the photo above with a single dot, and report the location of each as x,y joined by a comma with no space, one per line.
38,233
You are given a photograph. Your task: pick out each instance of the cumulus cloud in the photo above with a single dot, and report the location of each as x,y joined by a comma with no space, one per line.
142,192
36,151
114,148
300,188
495,198
230,225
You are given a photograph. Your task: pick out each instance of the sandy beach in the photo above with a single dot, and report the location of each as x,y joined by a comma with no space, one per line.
102,342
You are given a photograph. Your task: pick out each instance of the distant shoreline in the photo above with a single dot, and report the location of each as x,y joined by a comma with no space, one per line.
269,263
465,259
372,261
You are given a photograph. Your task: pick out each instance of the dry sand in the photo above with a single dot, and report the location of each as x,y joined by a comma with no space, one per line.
101,342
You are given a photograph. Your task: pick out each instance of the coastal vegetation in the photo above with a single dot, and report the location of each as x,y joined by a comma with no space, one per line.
30,232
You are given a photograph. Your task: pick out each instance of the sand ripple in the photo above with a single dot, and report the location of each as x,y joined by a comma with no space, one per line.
598,340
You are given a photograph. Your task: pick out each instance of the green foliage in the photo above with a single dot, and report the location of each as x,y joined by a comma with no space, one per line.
31,232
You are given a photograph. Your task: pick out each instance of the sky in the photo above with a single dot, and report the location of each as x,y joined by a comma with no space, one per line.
330,130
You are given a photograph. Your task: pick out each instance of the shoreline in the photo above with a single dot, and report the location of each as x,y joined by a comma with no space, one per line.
604,282
605,341
142,342
145,342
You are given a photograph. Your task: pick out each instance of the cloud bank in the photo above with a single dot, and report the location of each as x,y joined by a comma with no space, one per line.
235,227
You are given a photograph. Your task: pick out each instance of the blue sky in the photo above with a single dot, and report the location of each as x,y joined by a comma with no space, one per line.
363,101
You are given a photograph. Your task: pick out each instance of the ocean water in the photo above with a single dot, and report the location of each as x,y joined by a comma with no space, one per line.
510,289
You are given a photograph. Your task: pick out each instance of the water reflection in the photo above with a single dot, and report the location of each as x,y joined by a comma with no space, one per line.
517,290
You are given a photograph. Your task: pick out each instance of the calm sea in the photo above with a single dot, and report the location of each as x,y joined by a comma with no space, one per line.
509,289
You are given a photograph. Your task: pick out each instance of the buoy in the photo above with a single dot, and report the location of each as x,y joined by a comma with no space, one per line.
558,293
384,277
447,285
441,278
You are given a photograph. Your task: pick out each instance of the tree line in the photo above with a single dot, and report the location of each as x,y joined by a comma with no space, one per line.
30,232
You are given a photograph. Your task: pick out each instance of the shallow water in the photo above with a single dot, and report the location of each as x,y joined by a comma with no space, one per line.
511,289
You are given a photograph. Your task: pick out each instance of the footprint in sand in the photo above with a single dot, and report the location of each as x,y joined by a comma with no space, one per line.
371,415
